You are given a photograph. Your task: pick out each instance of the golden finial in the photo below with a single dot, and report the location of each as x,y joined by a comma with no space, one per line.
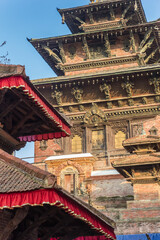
92,1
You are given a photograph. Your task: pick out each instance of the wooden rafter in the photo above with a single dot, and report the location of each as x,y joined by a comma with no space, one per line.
20,214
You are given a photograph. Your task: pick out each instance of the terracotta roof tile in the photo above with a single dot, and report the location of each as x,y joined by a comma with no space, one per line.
141,139
17,175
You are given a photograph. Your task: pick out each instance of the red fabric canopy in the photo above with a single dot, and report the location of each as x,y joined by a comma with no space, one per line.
57,198
29,90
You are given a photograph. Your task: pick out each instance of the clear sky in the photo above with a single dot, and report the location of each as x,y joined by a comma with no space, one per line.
20,19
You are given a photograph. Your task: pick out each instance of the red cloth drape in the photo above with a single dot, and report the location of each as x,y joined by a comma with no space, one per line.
59,199
29,90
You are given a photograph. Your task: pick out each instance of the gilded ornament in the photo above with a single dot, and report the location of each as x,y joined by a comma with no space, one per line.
77,93
106,89
58,96
81,108
155,82
127,85
144,100
120,103
109,105
130,102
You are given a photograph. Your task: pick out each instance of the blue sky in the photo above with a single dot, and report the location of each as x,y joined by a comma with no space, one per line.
20,19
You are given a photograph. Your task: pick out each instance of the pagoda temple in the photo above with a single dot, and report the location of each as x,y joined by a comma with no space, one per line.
108,85
32,205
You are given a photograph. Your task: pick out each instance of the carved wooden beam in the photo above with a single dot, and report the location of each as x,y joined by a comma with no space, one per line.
146,37
54,56
112,13
32,106
151,55
86,48
90,16
126,10
147,45
155,82
9,108
130,17
62,53
2,94
107,45
36,223
132,42
22,122
76,18
20,214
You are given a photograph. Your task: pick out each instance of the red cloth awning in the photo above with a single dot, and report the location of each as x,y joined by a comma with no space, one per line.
57,198
29,90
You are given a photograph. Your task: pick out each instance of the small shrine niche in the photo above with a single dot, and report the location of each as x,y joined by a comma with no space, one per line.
153,131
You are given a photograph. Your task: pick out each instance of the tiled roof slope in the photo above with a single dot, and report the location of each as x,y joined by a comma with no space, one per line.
17,175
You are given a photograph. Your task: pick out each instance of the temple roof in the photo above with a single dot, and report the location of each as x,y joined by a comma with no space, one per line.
25,114
25,185
141,139
18,175
81,12
112,73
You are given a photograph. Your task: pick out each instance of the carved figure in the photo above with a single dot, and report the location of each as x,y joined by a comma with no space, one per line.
155,82
130,102
128,86
147,45
54,56
58,96
132,42
106,88
77,93
144,100
107,45
146,37
94,116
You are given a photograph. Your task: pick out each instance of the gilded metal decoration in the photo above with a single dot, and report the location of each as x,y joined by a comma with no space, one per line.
94,116
155,82
77,93
106,89
58,96
127,85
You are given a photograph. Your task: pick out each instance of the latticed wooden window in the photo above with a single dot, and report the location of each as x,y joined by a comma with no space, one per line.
97,139
76,144
119,138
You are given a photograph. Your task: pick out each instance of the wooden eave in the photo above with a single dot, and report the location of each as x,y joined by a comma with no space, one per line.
78,11
77,36
72,38
118,74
